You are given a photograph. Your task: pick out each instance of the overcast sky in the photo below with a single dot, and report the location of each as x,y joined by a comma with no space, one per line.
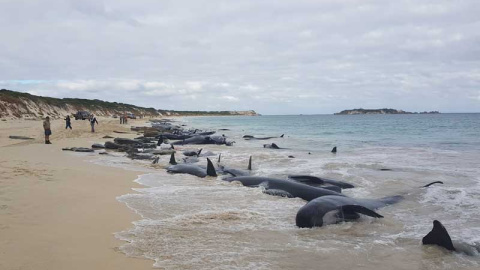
272,56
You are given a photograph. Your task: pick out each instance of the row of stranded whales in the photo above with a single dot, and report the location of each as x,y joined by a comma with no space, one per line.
326,205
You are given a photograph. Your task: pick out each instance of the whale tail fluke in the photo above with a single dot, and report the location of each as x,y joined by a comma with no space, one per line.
334,150
210,168
250,163
436,182
438,236
172,159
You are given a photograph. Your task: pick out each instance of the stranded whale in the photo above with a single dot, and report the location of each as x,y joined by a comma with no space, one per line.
334,209
314,180
192,169
285,188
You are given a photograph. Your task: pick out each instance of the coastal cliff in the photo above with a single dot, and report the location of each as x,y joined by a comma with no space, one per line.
23,105
380,111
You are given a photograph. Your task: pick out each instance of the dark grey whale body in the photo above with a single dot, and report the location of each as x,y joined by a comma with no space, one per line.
272,146
201,139
251,137
236,172
312,180
193,169
440,237
280,187
334,209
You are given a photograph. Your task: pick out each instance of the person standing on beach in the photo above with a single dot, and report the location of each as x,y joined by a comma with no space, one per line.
68,123
48,131
93,120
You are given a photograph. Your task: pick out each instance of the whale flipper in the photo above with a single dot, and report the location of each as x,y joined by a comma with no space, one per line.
210,168
438,236
278,192
172,159
348,209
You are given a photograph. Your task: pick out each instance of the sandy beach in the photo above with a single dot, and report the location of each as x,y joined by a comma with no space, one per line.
57,209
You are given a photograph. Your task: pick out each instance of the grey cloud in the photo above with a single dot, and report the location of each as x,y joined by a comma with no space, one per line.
272,56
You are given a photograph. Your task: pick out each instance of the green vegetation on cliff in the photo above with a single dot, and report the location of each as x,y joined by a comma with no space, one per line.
20,104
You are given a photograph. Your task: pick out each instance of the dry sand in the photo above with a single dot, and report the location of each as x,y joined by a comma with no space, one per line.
57,210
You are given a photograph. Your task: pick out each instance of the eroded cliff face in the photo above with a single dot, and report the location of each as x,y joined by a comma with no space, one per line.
22,105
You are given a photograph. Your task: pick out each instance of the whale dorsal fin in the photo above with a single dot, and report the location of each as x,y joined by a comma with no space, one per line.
334,150
219,157
210,168
172,159
282,136
199,152
432,183
349,208
438,236
250,163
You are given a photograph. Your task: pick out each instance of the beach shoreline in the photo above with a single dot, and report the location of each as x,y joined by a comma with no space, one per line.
59,210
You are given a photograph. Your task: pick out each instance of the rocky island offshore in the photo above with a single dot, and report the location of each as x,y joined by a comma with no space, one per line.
380,111
23,105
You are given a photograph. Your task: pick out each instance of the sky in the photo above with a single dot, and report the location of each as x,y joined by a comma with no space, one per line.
271,56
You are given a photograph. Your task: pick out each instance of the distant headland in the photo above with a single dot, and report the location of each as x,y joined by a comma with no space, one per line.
380,111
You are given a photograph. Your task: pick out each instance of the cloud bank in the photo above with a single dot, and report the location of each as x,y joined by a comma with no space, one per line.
276,57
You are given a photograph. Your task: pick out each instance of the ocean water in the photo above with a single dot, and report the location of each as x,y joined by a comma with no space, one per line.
193,223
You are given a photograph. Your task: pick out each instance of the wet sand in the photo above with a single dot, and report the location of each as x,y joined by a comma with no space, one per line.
57,209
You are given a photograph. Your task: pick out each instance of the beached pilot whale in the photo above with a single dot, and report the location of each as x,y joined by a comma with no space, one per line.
335,209
284,188
440,237
251,137
272,146
192,169
202,139
318,181
236,172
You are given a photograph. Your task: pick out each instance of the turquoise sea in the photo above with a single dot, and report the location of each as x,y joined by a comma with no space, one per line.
193,223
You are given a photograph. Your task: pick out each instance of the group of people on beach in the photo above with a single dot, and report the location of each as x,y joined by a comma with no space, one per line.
68,124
